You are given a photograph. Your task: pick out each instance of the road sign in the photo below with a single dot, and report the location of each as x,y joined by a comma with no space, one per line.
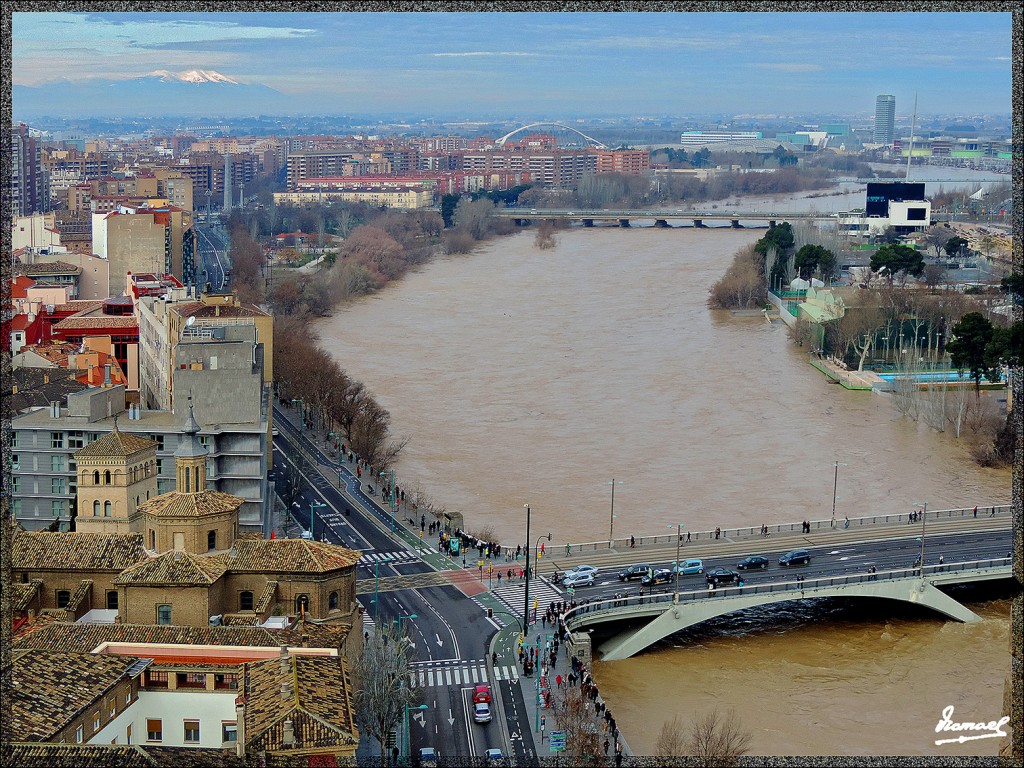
557,739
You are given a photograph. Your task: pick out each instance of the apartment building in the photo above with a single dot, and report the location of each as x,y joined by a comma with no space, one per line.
555,167
630,161
29,188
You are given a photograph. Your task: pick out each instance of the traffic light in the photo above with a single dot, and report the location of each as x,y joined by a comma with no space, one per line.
549,536
490,613
543,721
392,739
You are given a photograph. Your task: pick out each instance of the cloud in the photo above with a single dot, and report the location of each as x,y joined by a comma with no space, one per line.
791,67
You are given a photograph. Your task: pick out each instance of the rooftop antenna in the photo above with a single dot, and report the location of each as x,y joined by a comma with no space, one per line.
910,152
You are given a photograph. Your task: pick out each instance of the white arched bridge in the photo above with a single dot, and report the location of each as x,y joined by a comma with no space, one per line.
665,614
501,142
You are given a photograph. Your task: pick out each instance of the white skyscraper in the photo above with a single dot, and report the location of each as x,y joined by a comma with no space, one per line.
885,120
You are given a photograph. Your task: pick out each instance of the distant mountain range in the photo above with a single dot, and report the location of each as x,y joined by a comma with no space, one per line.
193,92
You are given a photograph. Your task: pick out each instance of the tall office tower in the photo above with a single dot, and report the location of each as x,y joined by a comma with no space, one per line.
885,120
29,190
227,181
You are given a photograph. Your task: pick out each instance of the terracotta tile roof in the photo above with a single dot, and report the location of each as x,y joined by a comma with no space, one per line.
54,351
319,705
97,321
179,504
290,555
82,638
70,550
47,268
51,689
22,595
206,312
78,305
266,598
234,620
175,568
116,444
34,391
80,594
80,756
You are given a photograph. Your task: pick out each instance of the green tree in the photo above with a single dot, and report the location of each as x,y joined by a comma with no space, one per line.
954,245
968,349
779,237
812,257
701,158
898,258
448,205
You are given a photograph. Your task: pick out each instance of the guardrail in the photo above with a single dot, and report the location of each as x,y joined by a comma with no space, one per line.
754,532
627,606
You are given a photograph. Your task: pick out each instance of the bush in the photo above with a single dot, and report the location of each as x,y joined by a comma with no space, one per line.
458,241
742,285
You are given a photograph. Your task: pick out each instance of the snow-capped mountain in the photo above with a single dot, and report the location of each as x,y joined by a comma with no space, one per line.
192,92
193,76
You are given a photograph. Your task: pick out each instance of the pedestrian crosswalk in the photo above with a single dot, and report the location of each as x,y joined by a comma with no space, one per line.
541,591
458,673
396,557
368,626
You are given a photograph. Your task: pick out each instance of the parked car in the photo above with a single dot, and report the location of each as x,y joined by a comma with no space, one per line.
578,580
749,563
690,567
482,712
637,571
482,693
796,557
718,576
660,576
428,757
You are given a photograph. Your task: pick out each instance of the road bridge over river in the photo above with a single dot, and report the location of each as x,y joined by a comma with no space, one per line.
661,218
874,558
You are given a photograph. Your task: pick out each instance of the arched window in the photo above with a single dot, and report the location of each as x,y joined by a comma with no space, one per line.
96,477
106,477
106,509
63,598
245,601
188,481
332,601
96,509
211,540
302,604
136,501
112,600
147,469
152,539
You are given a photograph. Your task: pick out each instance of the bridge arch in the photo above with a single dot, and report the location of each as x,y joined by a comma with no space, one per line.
662,617
501,142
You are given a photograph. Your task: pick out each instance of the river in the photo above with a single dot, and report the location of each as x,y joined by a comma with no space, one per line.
529,376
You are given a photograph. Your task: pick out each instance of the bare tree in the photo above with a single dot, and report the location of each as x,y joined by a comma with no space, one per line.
575,715
545,239
936,238
474,216
671,744
382,676
718,741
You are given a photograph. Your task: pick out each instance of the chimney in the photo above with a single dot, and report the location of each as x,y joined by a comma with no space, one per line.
106,375
240,722
289,734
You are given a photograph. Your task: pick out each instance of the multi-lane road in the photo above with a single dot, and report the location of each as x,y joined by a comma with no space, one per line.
212,264
450,631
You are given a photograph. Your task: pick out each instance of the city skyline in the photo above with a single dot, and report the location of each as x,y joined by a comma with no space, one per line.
591,63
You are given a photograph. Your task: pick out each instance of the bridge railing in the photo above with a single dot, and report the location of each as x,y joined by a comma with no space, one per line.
629,605
1001,511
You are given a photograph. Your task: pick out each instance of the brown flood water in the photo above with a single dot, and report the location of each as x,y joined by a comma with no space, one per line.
527,376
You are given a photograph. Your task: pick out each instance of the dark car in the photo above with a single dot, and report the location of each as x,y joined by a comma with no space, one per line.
749,563
795,557
660,576
718,576
637,571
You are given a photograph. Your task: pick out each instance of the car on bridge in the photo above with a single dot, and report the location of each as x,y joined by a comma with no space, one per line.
578,580
796,557
559,577
636,571
690,568
660,576
748,563
718,576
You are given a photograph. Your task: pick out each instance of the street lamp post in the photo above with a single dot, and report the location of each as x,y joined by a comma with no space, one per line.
536,552
312,518
924,521
611,520
835,487
679,539
399,621
526,597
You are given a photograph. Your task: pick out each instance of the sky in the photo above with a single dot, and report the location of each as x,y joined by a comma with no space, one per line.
580,63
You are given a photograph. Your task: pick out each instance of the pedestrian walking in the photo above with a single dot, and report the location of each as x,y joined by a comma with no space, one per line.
568,550
718,533
632,542
975,511
607,744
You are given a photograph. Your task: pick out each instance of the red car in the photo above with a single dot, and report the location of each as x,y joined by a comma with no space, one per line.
482,694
